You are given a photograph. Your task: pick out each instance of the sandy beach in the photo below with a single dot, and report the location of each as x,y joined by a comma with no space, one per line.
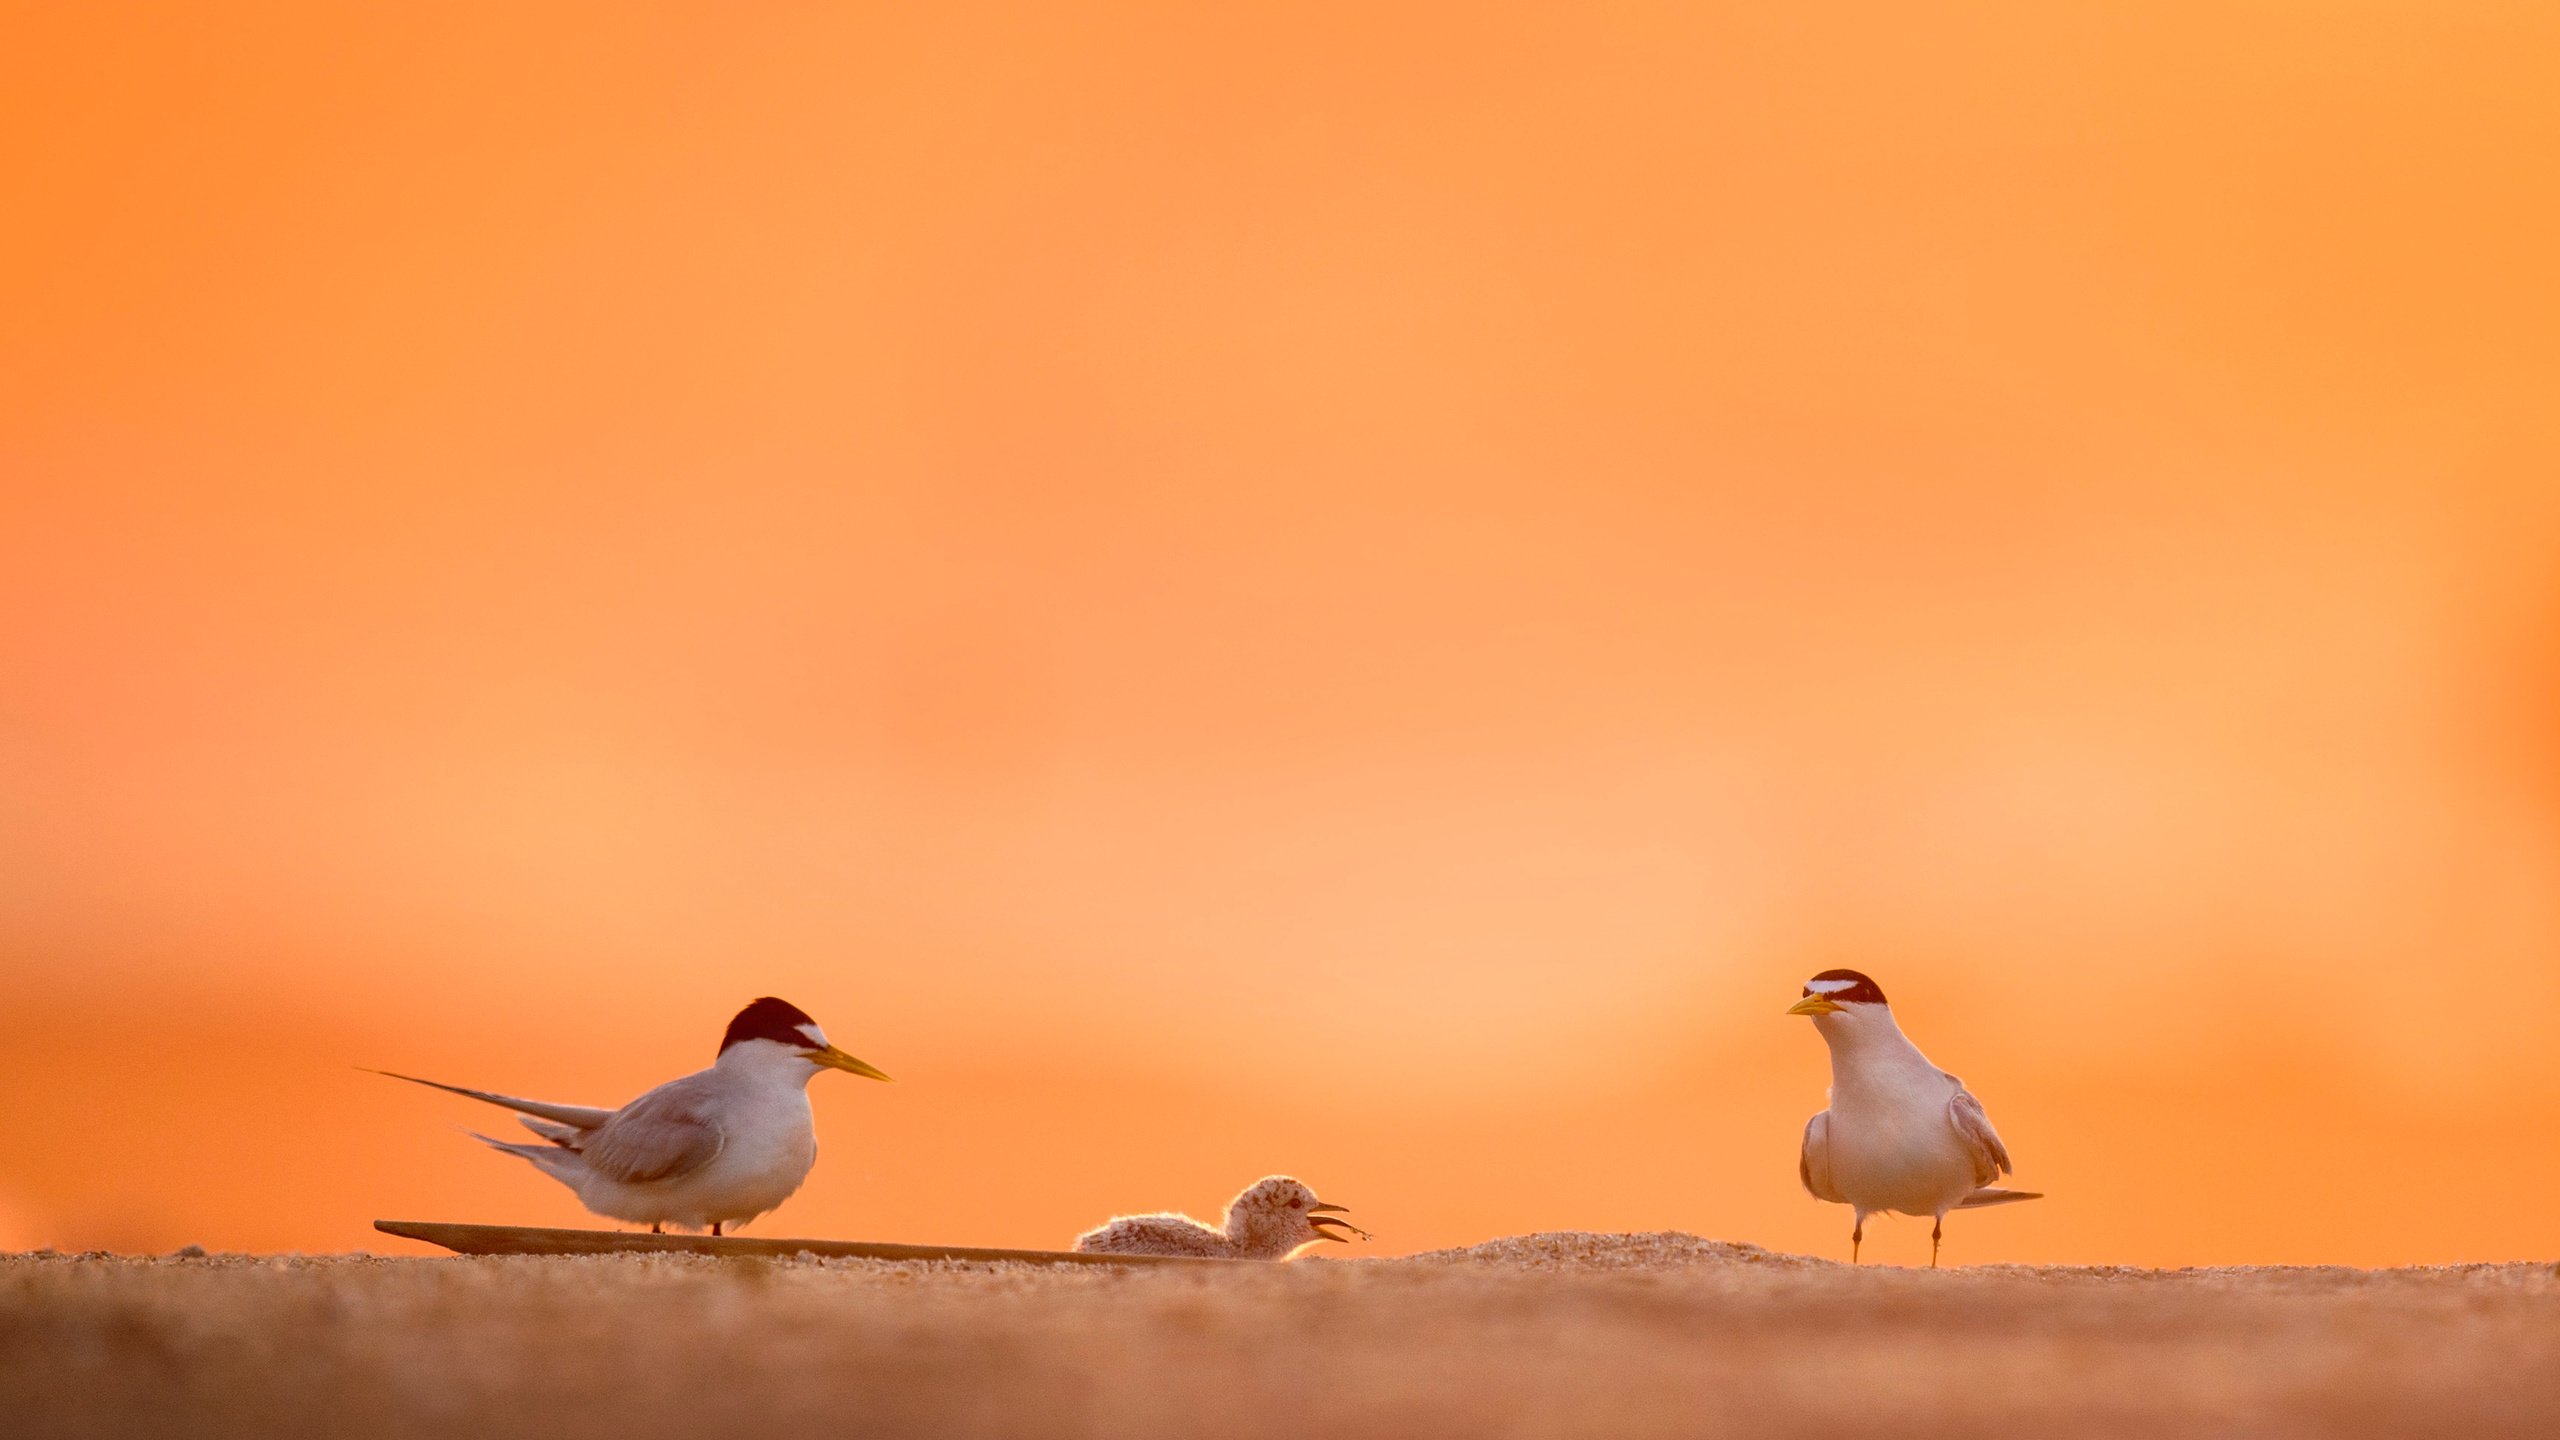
1564,1334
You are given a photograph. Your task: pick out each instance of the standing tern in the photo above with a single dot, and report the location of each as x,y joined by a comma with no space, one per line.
1901,1134
717,1147
1269,1221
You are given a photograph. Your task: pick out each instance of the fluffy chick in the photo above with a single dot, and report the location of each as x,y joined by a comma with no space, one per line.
1269,1221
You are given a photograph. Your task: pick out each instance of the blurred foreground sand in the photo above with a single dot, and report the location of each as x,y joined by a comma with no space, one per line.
1533,1336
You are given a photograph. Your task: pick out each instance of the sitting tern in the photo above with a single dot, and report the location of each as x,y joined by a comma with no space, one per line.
1901,1134
1269,1221
717,1147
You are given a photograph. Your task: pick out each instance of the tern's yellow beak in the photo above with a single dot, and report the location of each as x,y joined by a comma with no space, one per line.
1324,1223
835,1059
1813,1005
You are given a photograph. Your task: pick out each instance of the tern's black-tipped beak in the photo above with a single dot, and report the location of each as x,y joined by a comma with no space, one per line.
835,1059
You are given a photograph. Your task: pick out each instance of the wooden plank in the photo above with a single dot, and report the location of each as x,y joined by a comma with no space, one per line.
535,1240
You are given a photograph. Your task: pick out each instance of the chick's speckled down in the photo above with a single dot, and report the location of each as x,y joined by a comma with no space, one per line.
1273,1219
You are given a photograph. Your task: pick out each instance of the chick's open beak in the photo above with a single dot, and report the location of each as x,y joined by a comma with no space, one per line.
1322,1222
1813,1005
835,1059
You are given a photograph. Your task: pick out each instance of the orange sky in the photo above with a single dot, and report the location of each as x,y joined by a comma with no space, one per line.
1351,593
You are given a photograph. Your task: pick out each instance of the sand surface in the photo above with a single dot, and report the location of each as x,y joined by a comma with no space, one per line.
1648,1335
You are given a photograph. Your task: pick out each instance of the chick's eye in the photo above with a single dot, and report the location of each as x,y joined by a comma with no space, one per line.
1297,1204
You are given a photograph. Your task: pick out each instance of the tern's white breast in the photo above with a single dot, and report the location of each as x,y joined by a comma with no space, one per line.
1892,1144
770,1147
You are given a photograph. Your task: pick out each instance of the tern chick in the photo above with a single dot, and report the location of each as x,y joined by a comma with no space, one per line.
1901,1134
717,1147
1269,1221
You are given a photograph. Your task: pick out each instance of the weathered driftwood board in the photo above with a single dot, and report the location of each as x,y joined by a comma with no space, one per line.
534,1240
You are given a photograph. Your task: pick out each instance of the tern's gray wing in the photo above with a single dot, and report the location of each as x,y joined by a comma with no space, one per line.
1973,1127
582,1117
670,1132
1813,1163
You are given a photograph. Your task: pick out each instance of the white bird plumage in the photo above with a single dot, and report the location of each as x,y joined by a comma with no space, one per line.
715,1148
1271,1220
1901,1134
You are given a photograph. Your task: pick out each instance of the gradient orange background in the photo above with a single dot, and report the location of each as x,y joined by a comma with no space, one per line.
1346,592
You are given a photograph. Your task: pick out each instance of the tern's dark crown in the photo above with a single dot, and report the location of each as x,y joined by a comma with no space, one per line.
769,1019
1860,988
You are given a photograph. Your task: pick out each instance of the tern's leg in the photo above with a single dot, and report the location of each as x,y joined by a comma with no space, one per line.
657,1228
1857,1233
1934,1231
715,1229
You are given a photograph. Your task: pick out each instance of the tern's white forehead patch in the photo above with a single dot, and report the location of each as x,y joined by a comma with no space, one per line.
816,1037
1830,987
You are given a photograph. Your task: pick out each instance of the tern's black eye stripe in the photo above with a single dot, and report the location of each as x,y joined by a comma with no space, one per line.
769,1019
1859,987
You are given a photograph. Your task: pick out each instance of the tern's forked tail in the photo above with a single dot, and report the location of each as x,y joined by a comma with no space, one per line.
1993,1195
565,1166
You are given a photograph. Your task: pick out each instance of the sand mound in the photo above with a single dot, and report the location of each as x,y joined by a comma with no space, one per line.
1587,1250
1534,1337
